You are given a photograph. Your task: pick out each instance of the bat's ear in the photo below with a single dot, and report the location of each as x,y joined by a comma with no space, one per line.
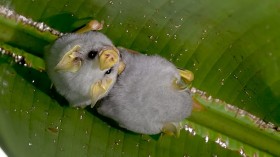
171,129
108,57
99,89
186,75
70,62
93,25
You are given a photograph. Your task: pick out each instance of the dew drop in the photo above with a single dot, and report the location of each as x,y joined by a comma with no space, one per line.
177,26
222,82
30,144
217,100
242,152
40,26
209,98
81,117
193,90
206,139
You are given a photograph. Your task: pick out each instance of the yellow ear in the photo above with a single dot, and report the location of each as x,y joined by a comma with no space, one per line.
108,58
186,75
99,89
69,61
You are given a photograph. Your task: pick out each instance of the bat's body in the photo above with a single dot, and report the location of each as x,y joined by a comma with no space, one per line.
143,98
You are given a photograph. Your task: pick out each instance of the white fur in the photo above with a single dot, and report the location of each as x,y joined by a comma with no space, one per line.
143,98
75,87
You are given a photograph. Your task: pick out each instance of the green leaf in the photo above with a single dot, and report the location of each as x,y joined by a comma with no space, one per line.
232,48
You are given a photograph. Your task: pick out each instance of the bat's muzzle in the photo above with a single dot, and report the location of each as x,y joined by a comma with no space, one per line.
108,57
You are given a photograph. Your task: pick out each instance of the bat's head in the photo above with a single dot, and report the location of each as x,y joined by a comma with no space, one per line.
89,61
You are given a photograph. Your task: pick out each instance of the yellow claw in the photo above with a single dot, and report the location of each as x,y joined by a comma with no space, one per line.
186,75
179,84
171,129
99,89
93,25
70,62
108,58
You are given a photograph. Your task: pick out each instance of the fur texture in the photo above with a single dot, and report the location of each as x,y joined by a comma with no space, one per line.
75,87
143,98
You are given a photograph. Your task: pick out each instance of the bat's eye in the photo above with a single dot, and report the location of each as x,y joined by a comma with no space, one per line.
92,54
108,71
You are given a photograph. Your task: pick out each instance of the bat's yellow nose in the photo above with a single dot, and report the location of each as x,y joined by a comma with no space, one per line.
108,58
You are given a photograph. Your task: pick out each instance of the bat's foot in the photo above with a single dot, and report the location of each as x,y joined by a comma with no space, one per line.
179,84
186,75
171,129
93,25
